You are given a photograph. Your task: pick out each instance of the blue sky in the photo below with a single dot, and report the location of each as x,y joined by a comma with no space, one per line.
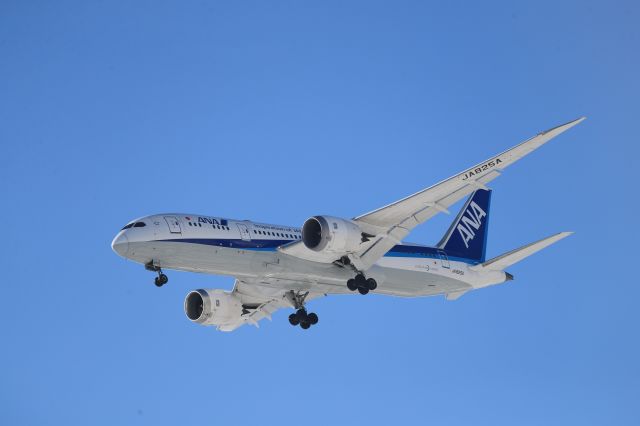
276,111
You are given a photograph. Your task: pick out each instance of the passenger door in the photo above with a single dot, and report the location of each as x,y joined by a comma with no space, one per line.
174,224
444,259
244,232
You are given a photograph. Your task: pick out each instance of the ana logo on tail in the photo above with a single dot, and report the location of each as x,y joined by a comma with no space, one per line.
472,219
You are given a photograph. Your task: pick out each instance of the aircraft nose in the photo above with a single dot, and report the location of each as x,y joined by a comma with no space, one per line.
120,244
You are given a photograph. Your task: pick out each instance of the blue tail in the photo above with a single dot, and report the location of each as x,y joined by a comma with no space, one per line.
467,235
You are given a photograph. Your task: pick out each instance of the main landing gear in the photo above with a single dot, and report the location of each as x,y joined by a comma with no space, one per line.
161,279
362,284
301,317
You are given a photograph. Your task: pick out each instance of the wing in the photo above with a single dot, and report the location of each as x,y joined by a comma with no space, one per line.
261,300
391,223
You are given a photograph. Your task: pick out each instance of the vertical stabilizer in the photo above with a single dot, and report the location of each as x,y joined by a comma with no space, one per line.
467,235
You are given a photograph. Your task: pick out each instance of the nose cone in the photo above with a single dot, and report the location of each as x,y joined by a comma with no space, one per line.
120,244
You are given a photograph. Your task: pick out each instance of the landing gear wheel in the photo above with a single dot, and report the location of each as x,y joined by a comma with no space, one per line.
360,280
372,284
363,290
293,319
161,280
301,315
352,285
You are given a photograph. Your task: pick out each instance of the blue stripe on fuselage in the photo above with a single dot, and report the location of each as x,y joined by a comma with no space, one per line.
271,245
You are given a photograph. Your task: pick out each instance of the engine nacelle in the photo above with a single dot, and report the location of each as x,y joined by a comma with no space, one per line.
331,235
212,307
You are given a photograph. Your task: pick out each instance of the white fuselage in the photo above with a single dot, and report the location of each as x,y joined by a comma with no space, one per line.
248,251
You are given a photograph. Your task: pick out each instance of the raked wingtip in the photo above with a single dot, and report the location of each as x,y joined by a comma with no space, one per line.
564,127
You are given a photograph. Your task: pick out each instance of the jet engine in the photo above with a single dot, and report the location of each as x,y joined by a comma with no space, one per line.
332,235
212,307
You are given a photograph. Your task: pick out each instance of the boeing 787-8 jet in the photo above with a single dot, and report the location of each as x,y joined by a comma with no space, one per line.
286,266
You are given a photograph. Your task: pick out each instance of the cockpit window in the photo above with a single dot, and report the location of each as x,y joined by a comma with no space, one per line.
134,225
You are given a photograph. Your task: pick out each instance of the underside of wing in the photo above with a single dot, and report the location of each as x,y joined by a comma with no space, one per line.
261,299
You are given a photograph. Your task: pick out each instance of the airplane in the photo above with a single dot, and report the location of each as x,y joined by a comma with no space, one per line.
279,266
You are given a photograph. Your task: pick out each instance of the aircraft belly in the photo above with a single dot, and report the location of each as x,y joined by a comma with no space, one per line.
195,257
407,283
282,271
295,273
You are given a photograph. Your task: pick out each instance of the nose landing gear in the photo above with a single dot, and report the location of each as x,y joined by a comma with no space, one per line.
161,279
362,284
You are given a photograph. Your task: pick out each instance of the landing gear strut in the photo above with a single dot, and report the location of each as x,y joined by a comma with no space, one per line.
301,317
161,279
362,284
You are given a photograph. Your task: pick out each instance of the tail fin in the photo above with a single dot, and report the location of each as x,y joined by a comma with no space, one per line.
467,235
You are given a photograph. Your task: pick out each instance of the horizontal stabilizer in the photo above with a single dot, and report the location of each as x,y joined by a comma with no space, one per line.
454,295
504,261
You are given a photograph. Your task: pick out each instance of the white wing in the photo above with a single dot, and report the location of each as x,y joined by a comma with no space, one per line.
391,223
260,301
